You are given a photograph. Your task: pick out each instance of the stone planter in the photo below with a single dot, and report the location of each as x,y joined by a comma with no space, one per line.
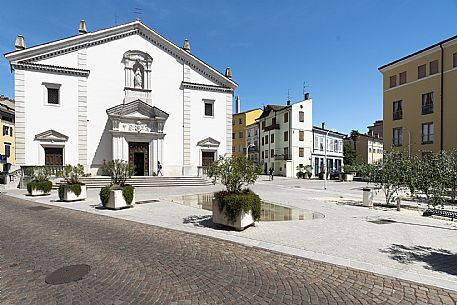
116,200
242,221
348,177
68,195
36,192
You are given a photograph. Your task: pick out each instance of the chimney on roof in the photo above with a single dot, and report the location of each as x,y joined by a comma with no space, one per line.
20,43
82,27
238,104
306,96
323,125
228,72
186,45
288,102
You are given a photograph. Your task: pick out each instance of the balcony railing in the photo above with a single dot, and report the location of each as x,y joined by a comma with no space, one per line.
426,109
282,157
398,115
272,127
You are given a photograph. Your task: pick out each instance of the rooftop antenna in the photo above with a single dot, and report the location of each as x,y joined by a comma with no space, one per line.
305,91
138,12
288,96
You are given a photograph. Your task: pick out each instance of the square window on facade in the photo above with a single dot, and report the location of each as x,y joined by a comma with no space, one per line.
272,153
209,108
5,130
427,133
286,136
286,117
427,103
263,124
266,154
266,139
301,152
263,141
263,155
433,67
397,139
233,135
273,121
240,121
301,116
403,78
421,71
316,142
53,96
272,138
286,153
454,60
397,110
393,81
301,135
240,135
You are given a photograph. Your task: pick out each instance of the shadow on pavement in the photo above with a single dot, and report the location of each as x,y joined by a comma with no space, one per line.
204,221
436,259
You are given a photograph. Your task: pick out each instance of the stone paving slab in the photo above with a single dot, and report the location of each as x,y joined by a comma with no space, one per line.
134,263
413,247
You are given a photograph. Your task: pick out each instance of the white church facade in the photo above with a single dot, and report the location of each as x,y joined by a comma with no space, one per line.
124,93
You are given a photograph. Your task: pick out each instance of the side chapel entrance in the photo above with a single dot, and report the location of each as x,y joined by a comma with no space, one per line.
139,156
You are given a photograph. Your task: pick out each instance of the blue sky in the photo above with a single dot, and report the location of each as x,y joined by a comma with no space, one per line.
272,46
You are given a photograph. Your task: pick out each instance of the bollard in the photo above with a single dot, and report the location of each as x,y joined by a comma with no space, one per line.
398,203
367,197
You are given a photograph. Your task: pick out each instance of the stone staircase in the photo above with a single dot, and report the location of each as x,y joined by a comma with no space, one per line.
144,181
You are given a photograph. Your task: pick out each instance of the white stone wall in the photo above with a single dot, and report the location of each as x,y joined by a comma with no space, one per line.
104,88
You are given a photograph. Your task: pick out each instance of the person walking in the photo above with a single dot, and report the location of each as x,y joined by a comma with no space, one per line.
271,173
159,168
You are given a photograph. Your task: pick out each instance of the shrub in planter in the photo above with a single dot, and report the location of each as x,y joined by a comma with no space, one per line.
40,184
73,189
235,207
308,171
119,194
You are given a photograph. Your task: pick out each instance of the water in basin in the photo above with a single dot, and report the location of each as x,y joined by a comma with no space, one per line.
269,211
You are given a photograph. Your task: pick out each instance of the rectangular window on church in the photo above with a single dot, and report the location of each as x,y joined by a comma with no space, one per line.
52,94
209,108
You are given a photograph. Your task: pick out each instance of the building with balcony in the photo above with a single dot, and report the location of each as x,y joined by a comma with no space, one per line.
333,151
252,141
286,137
419,95
376,130
239,129
7,137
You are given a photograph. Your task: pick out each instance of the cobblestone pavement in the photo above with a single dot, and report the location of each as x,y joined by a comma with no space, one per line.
133,263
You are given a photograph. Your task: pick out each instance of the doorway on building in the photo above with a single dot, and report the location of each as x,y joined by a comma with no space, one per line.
53,156
208,158
139,157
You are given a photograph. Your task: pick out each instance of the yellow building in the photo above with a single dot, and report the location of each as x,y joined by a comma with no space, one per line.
419,100
239,135
7,135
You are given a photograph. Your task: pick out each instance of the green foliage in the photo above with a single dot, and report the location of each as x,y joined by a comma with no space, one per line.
75,188
104,194
349,154
388,174
434,178
40,173
354,133
42,185
127,193
451,183
119,171
234,203
72,174
234,172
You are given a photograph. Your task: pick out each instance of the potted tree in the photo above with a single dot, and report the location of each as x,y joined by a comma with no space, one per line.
73,189
118,194
348,173
235,207
40,184
308,171
300,171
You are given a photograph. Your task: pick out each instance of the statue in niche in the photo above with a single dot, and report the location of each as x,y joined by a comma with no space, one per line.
138,79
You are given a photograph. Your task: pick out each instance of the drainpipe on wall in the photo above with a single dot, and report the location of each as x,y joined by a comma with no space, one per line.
442,93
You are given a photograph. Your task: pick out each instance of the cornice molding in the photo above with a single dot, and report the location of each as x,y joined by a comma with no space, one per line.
203,87
50,68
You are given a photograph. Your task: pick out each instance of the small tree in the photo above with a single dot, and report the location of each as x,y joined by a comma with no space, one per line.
387,174
234,172
72,174
434,178
451,158
349,154
119,171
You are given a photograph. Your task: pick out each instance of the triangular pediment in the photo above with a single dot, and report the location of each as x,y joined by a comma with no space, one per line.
73,43
137,109
51,136
209,142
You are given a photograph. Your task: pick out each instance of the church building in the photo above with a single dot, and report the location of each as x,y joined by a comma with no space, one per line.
126,93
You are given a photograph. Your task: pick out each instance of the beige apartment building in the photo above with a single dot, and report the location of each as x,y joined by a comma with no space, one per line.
369,149
419,100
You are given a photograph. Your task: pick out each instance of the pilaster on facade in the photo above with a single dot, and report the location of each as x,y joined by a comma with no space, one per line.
186,118
229,105
19,93
82,110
